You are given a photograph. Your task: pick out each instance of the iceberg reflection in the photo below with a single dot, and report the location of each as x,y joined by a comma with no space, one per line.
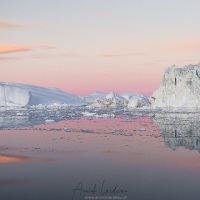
179,129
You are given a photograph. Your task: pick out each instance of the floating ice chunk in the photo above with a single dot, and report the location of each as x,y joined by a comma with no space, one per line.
115,133
111,115
20,114
88,114
87,131
68,129
49,121
141,129
128,134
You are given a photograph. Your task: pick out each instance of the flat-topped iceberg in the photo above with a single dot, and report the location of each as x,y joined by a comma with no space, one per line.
12,94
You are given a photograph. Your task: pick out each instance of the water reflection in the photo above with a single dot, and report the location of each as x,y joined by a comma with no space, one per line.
123,150
179,129
6,158
23,117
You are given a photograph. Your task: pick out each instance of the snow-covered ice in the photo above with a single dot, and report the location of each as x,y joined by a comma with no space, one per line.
136,100
13,94
49,121
112,99
94,96
180,88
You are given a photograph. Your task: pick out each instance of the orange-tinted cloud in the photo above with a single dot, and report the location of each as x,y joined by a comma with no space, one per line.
11,25
68,54
5,49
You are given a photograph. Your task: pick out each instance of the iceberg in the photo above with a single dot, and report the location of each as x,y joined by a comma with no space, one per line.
112,99
13,94
136,100
180,88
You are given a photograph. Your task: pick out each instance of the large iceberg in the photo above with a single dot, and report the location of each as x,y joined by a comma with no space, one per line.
112,99
12,94
180,88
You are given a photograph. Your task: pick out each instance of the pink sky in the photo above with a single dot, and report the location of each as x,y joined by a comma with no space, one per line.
96,46
85,74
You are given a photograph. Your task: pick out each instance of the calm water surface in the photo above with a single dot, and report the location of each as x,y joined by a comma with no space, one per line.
149,157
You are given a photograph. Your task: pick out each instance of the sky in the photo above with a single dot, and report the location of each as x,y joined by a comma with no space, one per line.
82,46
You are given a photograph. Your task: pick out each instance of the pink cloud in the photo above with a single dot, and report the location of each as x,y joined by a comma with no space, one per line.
5,49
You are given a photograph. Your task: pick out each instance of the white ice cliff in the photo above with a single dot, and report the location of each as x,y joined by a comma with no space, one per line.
180,87
12,94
